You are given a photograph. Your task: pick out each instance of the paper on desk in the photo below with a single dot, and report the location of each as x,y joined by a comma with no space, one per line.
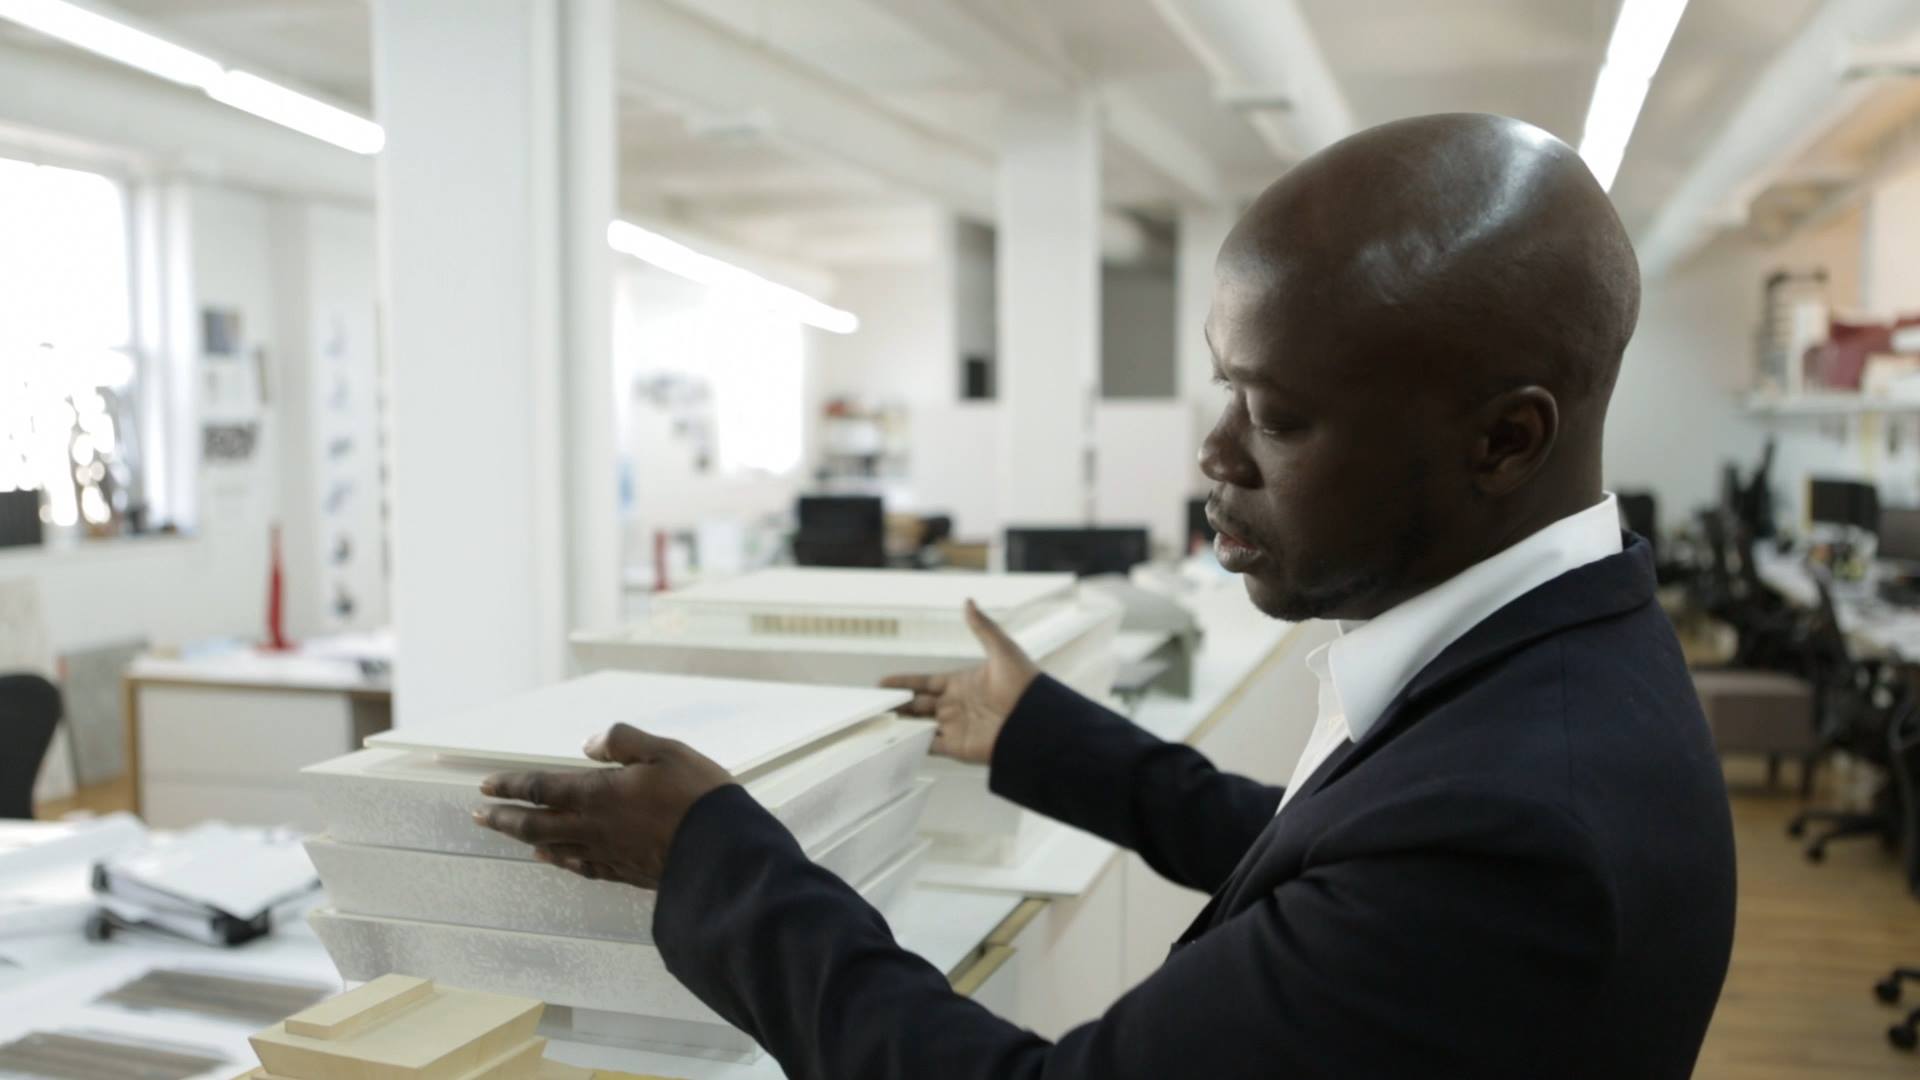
31,847
237,871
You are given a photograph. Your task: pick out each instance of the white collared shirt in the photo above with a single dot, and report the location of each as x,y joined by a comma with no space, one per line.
1362,670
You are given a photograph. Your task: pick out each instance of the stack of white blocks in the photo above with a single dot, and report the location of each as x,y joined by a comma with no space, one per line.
417,888
854,627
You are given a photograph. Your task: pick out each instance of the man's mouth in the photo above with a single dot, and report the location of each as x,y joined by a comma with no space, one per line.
1236,555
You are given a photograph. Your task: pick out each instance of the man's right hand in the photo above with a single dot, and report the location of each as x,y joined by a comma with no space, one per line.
970,707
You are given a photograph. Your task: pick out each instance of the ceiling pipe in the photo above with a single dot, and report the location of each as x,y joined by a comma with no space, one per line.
1265,61
1801,94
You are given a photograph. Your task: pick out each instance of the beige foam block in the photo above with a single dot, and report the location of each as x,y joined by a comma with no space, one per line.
523,1062
359,1008
447,1035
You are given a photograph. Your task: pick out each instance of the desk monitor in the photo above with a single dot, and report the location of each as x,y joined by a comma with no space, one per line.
1900,534
1086,552
841,530
1843,502
1198,527
20,518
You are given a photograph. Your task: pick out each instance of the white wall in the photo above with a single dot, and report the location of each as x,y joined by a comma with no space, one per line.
1891,280
906,350
669,491
212,583
1678,412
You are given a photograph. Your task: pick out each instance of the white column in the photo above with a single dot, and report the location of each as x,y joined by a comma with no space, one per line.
496,186
1048,265
1201,232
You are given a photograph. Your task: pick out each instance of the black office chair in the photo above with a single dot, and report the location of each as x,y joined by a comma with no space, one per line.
29,713
1860,710
1904,753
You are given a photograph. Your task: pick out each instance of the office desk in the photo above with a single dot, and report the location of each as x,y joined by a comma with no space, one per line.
58,978
1047,947
225,736
1872,625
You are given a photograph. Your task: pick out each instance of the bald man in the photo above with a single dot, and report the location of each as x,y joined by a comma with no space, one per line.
1506,851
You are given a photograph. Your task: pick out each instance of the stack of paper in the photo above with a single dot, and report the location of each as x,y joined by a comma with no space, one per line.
46,870
215,883
417,888
855,627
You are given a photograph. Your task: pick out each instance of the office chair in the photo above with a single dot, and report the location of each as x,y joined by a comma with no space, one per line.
1859,712
1904,753
29,713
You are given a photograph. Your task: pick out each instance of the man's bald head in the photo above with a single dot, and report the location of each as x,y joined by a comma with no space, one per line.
1483,238
1427,318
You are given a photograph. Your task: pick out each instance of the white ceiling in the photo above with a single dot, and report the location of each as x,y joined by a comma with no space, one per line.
1534,59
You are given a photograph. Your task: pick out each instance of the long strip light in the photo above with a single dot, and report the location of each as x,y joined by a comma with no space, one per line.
676,258
1640,38
109,37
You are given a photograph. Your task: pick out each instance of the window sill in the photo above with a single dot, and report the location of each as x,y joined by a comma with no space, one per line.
116,547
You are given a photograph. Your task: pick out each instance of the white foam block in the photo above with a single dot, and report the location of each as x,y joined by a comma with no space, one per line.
511,894
737,723
905,593
398,798
582,973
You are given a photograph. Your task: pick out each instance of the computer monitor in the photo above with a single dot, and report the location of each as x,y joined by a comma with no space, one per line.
841,530
1843,502
1198,527
20,519
1900,534
1085,552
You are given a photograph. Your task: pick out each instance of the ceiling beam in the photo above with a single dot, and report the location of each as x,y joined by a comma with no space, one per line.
1799,96
1265,61
1018,68
176,131
669,53
1185,167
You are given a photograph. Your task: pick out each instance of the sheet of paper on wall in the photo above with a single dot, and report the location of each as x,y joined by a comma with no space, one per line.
738,724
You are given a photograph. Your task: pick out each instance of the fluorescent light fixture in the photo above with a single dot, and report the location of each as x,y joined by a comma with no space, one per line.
679,259
290,108
112,39
106,36
1640,38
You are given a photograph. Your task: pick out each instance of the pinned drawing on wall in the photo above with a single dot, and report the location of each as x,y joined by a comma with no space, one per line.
219,331
229,443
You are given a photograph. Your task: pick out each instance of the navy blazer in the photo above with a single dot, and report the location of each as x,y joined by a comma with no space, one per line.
1524,870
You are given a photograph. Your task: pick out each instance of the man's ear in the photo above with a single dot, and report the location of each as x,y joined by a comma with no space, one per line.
1516,432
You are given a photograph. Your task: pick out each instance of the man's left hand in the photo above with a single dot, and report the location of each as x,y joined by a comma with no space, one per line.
607,824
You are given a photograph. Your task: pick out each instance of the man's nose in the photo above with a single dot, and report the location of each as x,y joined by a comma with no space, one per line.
1223,457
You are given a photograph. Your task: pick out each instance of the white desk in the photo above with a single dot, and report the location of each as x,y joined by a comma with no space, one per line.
1047,962
59,978
225,736
1871,624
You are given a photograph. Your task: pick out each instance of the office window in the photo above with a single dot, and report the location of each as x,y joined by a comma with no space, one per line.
67,360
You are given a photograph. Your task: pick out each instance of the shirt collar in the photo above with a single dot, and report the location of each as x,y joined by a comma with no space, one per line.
1373,661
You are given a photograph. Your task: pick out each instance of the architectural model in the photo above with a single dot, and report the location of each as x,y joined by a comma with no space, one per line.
417,888
854,627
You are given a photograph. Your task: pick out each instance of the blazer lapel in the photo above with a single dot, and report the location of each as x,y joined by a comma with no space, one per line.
1226,899
1602,589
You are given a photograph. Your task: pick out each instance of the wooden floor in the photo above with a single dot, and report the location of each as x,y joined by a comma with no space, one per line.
1810,942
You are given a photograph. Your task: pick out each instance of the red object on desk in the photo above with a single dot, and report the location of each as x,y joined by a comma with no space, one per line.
276,598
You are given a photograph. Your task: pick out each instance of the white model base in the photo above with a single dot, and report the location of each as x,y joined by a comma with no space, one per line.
407,799
578,973
531,897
